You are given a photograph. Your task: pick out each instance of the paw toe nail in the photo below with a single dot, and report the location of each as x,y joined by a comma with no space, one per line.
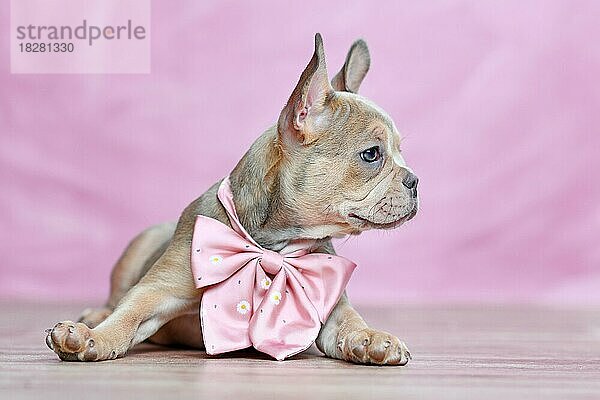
71,329
358,351
49,343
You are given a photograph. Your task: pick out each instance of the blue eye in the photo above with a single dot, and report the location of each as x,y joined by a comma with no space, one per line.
371,154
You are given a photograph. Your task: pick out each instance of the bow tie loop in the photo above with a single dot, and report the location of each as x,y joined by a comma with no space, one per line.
271,261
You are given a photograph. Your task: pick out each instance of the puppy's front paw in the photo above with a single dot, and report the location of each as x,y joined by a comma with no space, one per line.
369,346
72,342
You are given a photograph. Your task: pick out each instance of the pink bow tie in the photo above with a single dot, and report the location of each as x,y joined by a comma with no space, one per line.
256,297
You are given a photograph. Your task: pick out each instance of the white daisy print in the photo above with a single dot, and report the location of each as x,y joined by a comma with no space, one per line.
265,283
215,259
243,307
275,297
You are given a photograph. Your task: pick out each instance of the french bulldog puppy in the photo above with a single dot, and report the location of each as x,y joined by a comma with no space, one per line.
331,166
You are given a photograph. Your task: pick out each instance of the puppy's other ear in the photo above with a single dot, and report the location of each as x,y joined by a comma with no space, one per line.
355,68
308,99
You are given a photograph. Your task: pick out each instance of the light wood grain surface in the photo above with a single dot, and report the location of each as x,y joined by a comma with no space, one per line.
474,352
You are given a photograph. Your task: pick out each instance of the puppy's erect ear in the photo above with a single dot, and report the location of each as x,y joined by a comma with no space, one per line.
308,99
355,68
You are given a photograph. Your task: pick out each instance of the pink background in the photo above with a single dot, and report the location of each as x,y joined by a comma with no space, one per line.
499,102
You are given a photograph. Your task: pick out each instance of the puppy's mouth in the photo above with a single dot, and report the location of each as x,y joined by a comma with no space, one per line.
368,224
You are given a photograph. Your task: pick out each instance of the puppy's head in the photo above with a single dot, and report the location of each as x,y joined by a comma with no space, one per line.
342,170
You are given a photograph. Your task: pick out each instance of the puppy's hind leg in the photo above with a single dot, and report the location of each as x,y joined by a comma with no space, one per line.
141,253
92,317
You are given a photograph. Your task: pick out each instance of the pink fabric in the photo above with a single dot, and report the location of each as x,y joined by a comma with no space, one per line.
497,100
256,297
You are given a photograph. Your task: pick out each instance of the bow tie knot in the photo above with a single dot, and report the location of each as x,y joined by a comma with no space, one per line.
271,261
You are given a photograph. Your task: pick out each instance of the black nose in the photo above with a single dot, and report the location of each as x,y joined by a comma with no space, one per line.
410,180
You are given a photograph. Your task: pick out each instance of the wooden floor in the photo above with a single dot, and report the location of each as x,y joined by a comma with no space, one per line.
459,353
